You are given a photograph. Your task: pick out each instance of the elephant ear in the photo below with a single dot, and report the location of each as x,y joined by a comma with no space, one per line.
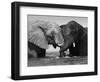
37,36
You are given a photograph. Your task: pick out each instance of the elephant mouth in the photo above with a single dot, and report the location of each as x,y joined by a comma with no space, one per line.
60,44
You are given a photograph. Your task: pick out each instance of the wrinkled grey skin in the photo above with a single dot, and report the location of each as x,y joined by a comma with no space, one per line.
73,32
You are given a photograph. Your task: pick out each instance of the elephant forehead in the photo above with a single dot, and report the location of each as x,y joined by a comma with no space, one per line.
53,28
46,25
66,31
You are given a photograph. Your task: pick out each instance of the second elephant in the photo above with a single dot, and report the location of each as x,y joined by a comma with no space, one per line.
75,33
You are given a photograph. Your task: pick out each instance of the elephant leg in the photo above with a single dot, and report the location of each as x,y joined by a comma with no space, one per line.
32,53
71,51
42,53
62,54
74,50
35,50
31,50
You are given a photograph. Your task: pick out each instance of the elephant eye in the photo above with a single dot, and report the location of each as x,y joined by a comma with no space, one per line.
73,32
67,31
52,33
73,44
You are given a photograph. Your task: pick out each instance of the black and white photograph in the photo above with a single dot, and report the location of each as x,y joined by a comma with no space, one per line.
57,40
53,40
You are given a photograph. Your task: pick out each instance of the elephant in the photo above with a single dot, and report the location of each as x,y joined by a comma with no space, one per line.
80,48
41,34
73,33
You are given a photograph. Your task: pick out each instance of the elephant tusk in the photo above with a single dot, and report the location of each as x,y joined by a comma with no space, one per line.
73,44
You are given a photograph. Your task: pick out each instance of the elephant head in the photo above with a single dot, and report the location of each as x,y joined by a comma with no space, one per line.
72,32
42,33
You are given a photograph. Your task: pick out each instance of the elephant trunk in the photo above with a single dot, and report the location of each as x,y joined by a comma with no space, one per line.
68,42
59,39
